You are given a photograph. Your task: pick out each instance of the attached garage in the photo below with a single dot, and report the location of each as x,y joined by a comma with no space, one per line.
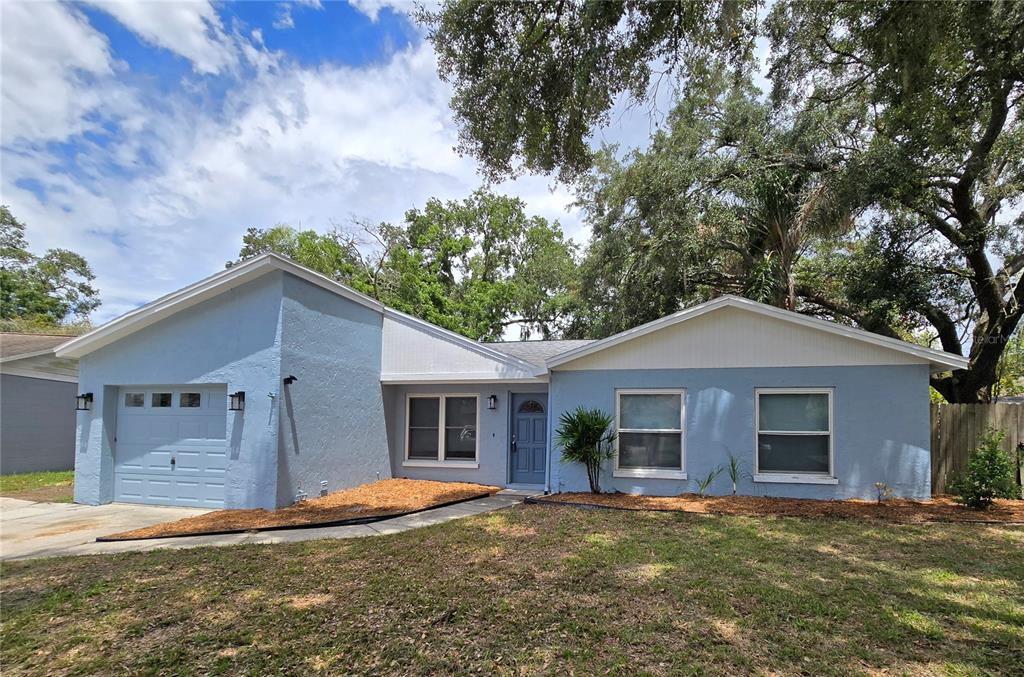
300,353
171,445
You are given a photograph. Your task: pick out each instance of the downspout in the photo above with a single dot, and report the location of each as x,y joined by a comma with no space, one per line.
551,443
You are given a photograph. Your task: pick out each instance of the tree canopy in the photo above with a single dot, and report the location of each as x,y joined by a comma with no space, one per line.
879,184
728,198
475,266
41,292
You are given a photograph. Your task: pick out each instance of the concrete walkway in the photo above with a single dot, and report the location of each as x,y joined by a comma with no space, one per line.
29,530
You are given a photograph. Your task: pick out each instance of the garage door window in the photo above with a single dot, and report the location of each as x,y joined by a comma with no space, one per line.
161,400
135,399
189,400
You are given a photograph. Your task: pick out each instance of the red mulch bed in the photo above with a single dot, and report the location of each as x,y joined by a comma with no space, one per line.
378,499
939,509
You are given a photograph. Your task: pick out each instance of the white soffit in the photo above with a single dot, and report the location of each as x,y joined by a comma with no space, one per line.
734,332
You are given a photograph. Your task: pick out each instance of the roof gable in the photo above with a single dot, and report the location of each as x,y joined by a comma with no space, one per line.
198,292
734,332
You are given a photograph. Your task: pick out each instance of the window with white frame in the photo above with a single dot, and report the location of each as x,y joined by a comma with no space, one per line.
441,428
649,433
794,432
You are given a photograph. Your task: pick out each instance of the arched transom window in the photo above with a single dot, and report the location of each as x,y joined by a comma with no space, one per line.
531,407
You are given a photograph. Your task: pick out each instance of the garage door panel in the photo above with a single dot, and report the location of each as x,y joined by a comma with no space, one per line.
203,493
148,438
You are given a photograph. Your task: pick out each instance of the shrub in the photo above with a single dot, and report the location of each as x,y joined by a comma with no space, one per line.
989,474
586,437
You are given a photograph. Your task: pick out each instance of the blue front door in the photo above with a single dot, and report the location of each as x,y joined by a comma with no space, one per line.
529,450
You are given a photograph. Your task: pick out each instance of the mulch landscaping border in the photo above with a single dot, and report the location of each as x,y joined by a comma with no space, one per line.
311,525
547,500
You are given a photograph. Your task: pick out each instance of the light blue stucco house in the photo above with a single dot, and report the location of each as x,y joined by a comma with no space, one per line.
268,379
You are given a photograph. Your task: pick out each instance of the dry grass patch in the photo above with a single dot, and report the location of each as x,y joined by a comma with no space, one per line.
939,509
377,499
658,593
46,487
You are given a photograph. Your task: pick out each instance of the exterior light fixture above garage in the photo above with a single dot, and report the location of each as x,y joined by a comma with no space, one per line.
236,401
83,402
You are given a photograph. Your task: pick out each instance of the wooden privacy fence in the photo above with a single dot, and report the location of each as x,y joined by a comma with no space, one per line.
956,430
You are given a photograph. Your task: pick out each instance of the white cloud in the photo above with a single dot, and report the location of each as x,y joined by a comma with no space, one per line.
309,146
192,30
305,146
284,18
55,72
372,8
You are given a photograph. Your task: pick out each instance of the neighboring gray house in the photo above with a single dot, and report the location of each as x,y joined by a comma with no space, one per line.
268,378
37,403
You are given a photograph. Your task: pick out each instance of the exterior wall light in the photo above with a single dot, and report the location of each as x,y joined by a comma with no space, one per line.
236,401
83,402
492,402
288,380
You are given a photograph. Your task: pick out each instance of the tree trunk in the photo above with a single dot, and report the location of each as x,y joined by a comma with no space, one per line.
594,476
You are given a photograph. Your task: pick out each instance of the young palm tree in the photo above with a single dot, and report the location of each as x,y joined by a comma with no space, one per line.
586,437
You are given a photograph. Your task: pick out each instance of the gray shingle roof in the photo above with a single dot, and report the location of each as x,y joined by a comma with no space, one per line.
536,352
19,344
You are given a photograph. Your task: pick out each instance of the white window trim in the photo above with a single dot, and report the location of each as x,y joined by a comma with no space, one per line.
440,461
791,477
653,473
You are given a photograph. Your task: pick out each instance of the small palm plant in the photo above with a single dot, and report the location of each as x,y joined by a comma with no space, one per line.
704,483
734,472
586,437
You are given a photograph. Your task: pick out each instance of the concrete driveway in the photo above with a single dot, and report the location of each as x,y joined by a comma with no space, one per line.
29,529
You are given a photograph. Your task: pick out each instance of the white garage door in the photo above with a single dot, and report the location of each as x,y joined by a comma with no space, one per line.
171,446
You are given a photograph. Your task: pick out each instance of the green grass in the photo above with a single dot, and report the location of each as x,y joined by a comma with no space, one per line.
539,590
53,486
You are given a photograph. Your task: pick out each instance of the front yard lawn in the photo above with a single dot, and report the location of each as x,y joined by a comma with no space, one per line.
539,589
54,487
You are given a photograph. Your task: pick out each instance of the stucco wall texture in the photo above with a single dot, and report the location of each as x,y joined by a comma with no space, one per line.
233,339
332,418
880,427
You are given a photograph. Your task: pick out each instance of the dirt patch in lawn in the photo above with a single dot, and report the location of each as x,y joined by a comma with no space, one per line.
385,498
59,493
47,487
939,509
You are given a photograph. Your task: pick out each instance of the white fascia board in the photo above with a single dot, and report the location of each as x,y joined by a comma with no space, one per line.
939,360
15,370
327,283
456,378
463,341
24,356
198,292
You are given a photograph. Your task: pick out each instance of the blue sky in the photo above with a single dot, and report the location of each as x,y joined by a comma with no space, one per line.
149,135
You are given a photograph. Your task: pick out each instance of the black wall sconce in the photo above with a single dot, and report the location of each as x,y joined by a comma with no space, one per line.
236,401
288,380
83,402
492,402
